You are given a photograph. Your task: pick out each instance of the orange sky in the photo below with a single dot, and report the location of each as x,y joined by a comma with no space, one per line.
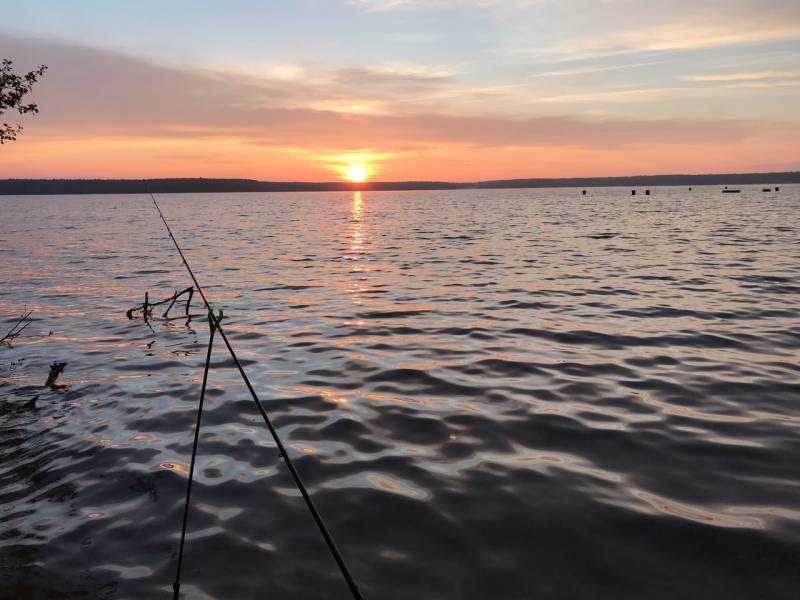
157,157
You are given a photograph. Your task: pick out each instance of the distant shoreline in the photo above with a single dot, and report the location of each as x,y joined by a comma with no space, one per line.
22,187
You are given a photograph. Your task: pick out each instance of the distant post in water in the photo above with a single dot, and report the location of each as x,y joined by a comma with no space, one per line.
647,192
583,192
633,192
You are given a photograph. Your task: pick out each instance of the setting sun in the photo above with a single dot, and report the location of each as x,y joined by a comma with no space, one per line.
356,173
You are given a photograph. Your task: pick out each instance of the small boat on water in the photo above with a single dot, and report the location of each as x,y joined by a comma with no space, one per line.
727,191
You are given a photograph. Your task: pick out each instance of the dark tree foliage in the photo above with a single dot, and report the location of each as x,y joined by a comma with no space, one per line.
13,89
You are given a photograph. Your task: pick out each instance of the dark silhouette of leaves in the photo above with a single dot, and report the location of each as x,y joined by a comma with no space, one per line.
13,89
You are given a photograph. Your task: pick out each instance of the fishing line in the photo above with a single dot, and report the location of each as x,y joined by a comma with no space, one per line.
351,583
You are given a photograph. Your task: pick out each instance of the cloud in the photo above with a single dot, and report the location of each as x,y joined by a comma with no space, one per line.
583,29
392,75
599,69
95,92
745,76
112,100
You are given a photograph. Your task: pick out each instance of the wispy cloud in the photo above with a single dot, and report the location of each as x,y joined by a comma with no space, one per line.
745,76
589,29
599,69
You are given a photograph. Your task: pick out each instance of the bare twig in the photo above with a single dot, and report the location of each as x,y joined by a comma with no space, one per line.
146,308
18,328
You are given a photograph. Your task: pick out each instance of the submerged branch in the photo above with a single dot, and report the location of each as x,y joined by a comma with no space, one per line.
55,370
23,321
146,308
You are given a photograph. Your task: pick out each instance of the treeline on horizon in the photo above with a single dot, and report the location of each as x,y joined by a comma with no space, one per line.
199,185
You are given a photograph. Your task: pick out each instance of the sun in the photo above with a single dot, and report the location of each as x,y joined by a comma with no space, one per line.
356,173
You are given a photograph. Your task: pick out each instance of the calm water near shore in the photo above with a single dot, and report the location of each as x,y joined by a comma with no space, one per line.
511,394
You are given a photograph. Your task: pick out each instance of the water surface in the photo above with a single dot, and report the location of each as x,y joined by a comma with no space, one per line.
490,394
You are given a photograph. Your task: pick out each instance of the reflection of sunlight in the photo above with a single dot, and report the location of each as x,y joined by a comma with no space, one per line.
174,466
357,241
356,225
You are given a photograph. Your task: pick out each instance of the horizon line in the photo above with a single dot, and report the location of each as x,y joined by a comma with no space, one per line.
405,181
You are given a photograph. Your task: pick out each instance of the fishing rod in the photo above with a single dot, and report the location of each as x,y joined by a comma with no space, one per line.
337,555
176,587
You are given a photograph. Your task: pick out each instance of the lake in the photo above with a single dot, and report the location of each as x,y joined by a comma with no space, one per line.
511,394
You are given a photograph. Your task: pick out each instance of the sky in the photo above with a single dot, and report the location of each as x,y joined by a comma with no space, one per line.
458,90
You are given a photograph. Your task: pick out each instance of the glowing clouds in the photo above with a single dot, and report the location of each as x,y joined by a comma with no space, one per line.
357,167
